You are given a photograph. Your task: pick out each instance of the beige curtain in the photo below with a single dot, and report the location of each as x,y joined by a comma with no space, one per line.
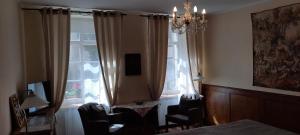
195,47
34,49
108,28
56,29
157,49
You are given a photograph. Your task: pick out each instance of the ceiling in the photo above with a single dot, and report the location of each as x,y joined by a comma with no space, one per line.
157,6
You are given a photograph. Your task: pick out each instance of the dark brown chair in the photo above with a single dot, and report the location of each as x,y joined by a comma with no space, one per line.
151,121
95,121
133,122
188,112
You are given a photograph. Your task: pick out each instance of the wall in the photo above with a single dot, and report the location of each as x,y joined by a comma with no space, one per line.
229,53
225,104
11,71
134,88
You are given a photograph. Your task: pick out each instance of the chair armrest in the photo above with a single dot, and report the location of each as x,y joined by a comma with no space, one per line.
173,109
98,122
115,118
99,125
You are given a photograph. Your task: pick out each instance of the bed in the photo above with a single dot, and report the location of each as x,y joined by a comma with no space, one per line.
242,127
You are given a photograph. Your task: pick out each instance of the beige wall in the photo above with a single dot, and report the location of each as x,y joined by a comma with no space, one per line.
11,69
134,88
229,53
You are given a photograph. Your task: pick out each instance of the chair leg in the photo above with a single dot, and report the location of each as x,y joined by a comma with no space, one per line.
187,126
167,125
182,127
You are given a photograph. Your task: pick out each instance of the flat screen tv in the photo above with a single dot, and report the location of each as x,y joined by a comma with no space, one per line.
132,64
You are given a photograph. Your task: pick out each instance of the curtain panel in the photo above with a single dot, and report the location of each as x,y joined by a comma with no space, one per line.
195,50
157,49
34,49
108,28
56,29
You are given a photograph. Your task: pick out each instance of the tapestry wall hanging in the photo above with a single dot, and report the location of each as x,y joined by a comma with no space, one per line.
276,48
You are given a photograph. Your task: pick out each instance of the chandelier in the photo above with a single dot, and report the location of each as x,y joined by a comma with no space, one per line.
188,21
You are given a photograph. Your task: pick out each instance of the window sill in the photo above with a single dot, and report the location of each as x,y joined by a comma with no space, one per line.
70,106
168,96
170,92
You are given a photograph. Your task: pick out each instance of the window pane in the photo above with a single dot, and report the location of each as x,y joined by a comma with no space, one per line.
91,70
178,80
75,36
170,83
173,37
90,53
74,71
91,90
84,83
74,53
88,37
171,51
73,89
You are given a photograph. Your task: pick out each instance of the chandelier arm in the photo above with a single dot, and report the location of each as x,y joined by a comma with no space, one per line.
188,21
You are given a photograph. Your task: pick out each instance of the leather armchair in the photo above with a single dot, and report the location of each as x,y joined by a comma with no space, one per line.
188,112
95,121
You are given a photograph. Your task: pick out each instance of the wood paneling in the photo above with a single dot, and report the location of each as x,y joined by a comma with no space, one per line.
218,105
224,104
243,107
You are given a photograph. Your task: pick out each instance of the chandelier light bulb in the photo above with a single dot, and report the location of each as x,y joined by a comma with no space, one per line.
195,9
188,21
203,11
175,9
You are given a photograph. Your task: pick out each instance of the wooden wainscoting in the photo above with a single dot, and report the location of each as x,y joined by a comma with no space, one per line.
225,104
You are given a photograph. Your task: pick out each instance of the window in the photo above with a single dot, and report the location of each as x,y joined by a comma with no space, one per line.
85,82
178,80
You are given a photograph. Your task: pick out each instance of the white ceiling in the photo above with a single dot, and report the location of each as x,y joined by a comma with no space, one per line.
158,6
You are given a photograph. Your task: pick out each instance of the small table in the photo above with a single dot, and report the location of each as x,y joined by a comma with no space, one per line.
145,119
140,109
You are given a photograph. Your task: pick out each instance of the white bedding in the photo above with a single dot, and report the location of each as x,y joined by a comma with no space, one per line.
242,127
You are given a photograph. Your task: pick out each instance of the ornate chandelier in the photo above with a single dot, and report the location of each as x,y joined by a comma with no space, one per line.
188,21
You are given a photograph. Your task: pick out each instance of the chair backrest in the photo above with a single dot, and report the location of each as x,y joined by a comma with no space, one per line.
152,119
129,116
191,101
91,111
18,114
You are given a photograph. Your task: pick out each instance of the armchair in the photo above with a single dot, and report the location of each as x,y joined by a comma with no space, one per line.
188,112
95,121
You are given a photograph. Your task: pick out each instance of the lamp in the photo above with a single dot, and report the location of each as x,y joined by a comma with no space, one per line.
199,78
32,100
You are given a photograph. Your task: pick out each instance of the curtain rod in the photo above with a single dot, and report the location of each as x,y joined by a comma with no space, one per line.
72,11
151,14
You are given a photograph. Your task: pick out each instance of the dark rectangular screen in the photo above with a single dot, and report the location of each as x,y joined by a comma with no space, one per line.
132,64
